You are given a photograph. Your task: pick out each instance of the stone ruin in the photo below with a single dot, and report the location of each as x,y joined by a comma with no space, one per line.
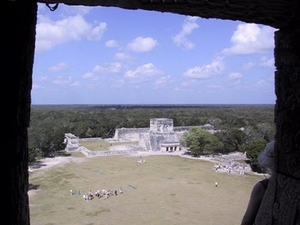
72,142
160,136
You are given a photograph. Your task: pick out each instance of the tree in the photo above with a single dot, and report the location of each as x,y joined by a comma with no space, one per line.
215,122
33,154
252,134
266,131
233,140
200,141
46,138
253,151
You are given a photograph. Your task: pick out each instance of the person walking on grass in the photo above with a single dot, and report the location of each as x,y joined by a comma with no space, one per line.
265,159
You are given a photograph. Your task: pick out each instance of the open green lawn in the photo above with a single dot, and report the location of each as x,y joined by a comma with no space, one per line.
165,190
102,145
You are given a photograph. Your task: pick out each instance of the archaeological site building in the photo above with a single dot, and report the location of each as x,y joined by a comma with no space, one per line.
160,136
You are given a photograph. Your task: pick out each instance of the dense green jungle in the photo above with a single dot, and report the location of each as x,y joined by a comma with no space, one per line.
244,127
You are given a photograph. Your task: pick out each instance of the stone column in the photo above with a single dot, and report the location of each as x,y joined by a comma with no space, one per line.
281,204
17,51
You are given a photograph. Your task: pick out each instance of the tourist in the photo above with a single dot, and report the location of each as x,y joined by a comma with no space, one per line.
265,159
97,193
90,195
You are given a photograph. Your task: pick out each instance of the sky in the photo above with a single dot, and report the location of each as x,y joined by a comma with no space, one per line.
108,55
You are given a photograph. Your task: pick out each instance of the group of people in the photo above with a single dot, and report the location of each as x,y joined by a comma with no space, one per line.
101,194
140,161
232,167
230,163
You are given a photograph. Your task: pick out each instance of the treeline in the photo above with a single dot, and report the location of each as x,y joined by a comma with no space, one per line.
49,123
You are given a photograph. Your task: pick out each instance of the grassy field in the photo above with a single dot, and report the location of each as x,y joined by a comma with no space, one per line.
164,190
102,145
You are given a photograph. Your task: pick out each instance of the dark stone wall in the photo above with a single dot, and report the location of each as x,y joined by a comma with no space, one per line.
275,13
287,118
17,50
132,134
281,204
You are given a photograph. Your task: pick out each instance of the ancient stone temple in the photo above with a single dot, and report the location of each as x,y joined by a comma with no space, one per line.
71,141
281,204
160,136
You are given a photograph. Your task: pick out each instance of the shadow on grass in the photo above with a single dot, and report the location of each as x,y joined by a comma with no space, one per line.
33,186
63,154
37,165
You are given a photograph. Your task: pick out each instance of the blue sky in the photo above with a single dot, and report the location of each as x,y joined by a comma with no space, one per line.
107,55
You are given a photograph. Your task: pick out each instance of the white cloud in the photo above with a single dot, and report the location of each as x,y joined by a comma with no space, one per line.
58,67
162,81
36,87
188,26
122,56
75,84
51,33
250,38
206,71
248,65
96,32
265,62
63,80
141,44
90,76
189,83
143,73
111,44
235,76
41,78
115,67
262,84
215,86
266,84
